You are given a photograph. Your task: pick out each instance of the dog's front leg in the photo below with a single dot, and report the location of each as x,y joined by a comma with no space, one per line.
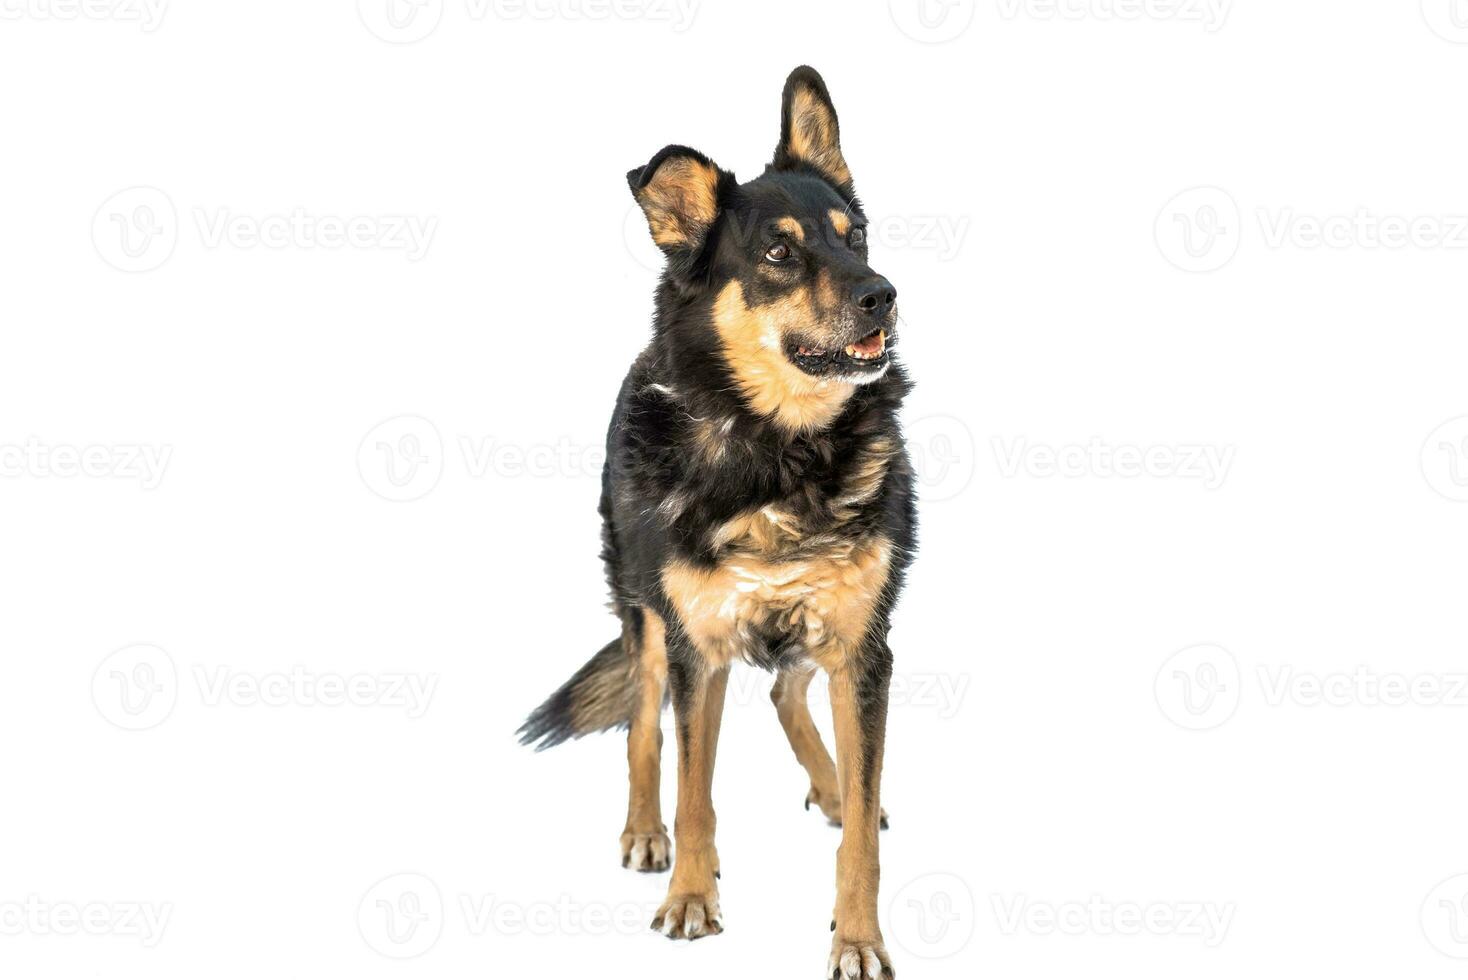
859,689
645,844
691,909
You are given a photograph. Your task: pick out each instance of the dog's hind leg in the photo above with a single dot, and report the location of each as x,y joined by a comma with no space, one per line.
645,845
789,696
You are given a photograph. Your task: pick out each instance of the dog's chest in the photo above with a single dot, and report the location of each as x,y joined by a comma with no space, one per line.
797,578
764,609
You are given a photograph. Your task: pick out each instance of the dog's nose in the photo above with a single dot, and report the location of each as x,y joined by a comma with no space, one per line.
874,296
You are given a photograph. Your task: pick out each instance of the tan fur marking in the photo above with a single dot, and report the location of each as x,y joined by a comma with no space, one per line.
841,221
857,871
813,136
680,201
771,385
826,599
712,437
645,741
791,227
826,293
867,478
767,531
692,906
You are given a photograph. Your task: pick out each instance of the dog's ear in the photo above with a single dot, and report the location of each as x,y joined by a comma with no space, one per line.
809,132
680,191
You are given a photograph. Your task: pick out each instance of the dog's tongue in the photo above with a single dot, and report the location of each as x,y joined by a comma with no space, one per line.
870,345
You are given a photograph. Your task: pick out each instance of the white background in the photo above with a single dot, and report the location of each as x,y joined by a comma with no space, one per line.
1049,755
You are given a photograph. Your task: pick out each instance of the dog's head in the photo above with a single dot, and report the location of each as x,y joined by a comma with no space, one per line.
781,262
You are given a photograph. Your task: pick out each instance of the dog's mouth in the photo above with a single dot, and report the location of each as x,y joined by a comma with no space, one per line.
870,353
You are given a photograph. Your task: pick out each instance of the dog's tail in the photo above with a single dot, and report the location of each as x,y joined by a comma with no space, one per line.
598,697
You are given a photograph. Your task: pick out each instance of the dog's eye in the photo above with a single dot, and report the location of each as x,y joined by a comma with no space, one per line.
858,237
778,252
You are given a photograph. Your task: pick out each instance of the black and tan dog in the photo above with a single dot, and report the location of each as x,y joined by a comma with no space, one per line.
757,505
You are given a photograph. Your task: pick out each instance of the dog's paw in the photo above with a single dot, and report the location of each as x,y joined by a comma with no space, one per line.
859,959
689,917
646,851
829,800
830,803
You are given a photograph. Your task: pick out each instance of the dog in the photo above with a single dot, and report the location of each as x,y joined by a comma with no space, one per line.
758,506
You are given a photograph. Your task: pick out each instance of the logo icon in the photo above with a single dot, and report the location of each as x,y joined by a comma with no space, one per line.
1198,688
136,229
400,21
943,456
1445,459
136,687
1199,230
1445,917
639,241
401,916
933,917
1447,18
401,459
932,21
